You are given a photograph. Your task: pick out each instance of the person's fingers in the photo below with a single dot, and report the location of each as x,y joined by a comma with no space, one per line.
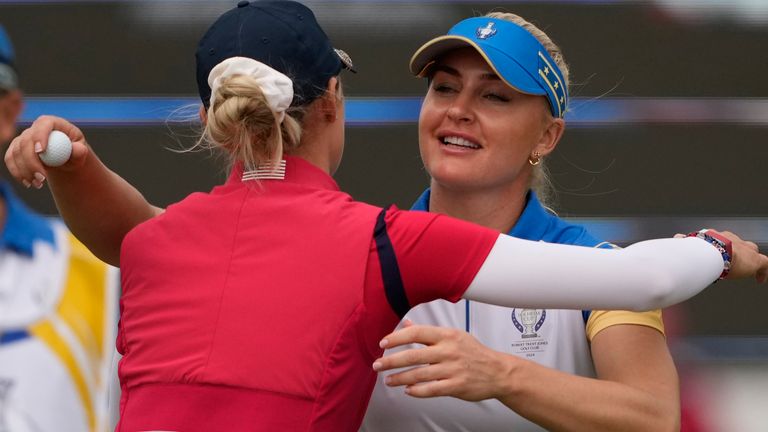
23,155
80,151
28,164
39,131
73,132
746,260
430,389
426,335
80,148
406,358
10,163
43,126
38,180
416,375
26,154
14,153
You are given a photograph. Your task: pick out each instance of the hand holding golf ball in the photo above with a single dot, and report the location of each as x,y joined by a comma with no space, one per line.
58,151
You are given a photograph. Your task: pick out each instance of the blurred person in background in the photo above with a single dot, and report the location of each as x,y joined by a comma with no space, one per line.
58,307
498,91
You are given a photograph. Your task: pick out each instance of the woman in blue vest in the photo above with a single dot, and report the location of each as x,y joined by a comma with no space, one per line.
498,90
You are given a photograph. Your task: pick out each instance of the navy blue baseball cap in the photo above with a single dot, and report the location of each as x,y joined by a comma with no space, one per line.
514,54
282,34
8,79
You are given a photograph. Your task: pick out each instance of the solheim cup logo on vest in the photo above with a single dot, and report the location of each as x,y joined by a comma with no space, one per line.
486,32
528,322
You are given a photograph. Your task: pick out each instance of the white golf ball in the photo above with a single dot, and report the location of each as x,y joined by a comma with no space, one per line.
58,151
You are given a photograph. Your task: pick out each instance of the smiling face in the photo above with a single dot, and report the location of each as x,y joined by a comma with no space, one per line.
476,132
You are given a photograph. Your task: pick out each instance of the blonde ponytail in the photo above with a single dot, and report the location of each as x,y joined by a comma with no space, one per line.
242,124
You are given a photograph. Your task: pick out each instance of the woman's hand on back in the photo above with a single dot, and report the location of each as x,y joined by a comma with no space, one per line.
452,363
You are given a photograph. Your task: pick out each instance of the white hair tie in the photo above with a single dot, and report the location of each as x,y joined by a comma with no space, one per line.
277,88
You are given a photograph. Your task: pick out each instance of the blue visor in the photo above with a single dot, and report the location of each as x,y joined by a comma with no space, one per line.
514,54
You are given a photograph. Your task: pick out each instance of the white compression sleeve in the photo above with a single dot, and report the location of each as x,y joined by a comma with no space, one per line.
647,275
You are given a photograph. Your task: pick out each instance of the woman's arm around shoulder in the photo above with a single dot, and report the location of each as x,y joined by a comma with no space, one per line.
647,275
98,206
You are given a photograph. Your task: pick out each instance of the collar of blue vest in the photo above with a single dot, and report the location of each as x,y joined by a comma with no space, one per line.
22,227
533,223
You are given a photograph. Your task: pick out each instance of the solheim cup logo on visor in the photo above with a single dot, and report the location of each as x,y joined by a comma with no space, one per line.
486,32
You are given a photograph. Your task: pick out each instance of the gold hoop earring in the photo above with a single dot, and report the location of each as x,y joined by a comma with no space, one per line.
535,159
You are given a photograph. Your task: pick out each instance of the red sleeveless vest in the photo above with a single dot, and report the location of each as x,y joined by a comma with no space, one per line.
240,308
